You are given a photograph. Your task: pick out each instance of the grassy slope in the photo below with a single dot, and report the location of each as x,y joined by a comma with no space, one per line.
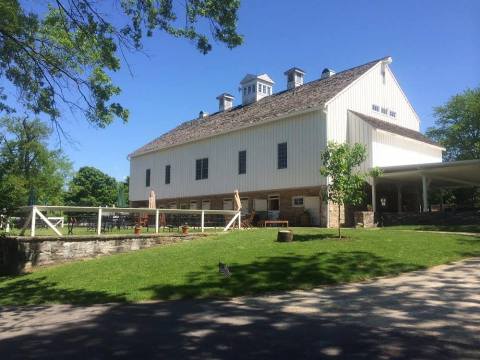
257,262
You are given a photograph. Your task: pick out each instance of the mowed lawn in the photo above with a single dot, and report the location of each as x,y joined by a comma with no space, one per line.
257,263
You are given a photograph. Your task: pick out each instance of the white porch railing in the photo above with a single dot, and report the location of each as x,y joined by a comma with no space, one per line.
36,210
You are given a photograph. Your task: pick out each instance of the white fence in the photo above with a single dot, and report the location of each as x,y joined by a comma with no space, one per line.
36,210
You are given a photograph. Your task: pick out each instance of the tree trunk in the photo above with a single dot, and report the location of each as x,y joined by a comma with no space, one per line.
339,235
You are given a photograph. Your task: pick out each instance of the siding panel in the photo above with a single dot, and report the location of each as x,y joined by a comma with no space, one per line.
305,135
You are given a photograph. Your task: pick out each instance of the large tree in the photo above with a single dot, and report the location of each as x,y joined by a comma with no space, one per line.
92,187
345,182
28,168
62,52
457,126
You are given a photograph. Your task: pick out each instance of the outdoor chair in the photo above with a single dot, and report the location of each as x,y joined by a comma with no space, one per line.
247,222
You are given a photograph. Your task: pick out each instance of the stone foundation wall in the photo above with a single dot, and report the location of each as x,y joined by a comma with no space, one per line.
19,254
433,218
364,219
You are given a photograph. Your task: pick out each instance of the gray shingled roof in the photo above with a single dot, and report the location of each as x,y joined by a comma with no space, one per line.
395,129
310,95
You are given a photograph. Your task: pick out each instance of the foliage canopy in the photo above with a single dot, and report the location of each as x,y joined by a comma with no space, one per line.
92,187
66,55
27,166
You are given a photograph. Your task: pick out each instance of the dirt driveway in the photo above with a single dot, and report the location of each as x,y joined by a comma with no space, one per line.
433,314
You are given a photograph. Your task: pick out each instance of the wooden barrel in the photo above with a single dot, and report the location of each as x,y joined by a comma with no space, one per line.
285,236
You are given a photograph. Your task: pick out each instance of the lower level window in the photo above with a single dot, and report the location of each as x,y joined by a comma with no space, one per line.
206,205
297,201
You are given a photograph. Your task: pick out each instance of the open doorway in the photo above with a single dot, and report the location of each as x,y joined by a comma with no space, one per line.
273,207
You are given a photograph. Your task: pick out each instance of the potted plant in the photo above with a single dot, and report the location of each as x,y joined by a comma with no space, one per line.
185,229
137,230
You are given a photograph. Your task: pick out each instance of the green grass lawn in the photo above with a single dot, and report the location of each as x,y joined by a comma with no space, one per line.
439,227
257,262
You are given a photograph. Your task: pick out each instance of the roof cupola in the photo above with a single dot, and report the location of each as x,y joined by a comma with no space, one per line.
255,87
294,77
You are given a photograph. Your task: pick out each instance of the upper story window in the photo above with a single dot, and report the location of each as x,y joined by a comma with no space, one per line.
167,174
201,169
375,107
244,91
147,178
384,111
264,89
393,114
269,90
242,162
249,89
260,88
282,160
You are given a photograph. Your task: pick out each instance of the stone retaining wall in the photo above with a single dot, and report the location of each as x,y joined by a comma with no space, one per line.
18,254
433,218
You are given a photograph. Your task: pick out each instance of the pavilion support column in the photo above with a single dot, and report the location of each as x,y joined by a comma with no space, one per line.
424,193
399,198
374,196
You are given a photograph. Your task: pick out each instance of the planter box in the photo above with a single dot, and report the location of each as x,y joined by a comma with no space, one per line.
364,219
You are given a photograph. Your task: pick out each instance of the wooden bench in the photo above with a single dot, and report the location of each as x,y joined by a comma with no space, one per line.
275,222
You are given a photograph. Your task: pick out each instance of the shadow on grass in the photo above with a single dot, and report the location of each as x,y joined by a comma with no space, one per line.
312,237
40,291
279,273
450,228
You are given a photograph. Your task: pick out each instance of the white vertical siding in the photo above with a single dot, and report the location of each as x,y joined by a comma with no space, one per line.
304,134
370,89
360,132
387,149
391,150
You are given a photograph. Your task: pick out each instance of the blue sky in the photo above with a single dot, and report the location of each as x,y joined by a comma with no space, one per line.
434,44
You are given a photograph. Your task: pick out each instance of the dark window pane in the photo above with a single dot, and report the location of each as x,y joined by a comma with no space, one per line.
201,170
282,161
147,177
242,162
198,169
167,174
205,169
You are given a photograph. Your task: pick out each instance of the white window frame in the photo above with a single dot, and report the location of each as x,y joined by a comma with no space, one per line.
273,197
298,197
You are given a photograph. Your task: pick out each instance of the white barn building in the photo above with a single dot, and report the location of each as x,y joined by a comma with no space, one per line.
269,146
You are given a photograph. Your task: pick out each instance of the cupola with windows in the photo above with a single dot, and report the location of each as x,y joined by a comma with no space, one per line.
255,87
